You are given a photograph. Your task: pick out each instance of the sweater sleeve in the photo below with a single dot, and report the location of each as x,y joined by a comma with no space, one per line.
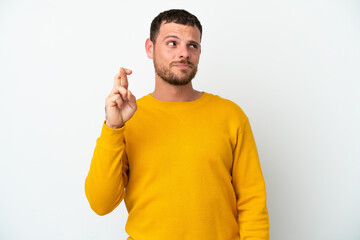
249,187
107,177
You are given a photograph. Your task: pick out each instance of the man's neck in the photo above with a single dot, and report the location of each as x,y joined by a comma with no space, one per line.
171,93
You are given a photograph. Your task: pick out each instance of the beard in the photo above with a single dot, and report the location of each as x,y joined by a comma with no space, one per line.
171,77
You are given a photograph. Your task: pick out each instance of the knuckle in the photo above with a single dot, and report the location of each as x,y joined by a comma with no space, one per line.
121,89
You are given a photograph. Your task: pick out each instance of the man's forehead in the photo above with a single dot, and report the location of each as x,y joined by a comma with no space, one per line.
176,28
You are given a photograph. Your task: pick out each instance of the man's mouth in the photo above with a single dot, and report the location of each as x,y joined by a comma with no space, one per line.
182,65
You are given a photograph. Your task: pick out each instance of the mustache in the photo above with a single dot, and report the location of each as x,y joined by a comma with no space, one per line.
183,62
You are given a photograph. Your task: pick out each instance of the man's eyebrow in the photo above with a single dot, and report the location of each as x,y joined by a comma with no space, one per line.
174,36
194,42
171,36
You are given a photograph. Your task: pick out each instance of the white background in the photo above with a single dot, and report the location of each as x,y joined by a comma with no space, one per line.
293,66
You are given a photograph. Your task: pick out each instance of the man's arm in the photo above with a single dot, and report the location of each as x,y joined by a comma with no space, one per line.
107,177
249,187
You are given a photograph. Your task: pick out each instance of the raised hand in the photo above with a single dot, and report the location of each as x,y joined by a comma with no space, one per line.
120,105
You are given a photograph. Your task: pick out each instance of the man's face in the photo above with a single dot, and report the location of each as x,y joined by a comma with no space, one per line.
176,53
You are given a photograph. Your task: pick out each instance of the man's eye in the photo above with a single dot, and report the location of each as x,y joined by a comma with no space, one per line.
193,46
172,44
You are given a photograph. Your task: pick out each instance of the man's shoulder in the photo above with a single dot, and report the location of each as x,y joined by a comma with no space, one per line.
141,99
227,106
144,102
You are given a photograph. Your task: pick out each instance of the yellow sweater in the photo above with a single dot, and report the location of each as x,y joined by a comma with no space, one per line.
186,171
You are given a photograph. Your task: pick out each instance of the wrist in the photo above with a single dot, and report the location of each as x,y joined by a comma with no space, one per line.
114,126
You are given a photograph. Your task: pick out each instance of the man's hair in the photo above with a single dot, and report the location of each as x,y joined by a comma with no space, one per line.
179,16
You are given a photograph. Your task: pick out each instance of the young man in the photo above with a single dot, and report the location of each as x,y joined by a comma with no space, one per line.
184,161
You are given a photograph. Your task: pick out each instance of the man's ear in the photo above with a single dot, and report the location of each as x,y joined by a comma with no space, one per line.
149,48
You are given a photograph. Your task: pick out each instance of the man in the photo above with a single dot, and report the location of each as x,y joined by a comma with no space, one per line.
184,161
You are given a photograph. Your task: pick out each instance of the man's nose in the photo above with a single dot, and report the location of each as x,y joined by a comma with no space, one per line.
184,52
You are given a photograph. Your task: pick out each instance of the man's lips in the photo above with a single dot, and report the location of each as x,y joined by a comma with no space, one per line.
182,65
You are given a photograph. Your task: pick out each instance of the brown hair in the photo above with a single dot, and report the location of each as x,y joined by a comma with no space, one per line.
179,16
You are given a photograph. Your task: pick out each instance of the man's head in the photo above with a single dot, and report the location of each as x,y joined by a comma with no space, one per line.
174,46
179,16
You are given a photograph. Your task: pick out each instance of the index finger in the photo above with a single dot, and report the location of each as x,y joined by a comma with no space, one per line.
121,78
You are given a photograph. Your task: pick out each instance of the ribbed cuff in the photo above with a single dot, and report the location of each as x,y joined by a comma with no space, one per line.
112,138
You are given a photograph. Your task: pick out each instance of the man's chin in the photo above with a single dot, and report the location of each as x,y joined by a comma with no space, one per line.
184,73
178,81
